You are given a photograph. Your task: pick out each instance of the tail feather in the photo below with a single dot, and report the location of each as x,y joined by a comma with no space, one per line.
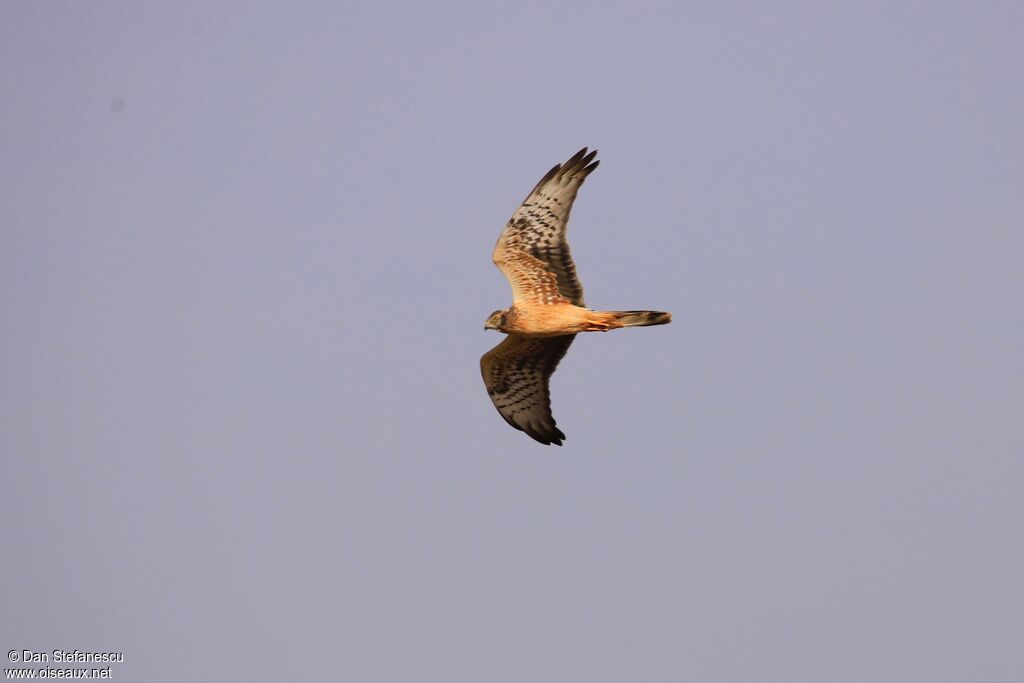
641,318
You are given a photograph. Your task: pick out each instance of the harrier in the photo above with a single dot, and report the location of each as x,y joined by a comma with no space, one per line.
547,308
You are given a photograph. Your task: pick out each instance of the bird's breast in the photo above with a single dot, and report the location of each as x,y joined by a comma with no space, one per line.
545,320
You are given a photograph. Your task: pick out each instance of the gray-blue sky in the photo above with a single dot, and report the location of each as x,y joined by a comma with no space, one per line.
244,266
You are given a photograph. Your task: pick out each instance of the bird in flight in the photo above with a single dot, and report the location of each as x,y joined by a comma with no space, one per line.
547,308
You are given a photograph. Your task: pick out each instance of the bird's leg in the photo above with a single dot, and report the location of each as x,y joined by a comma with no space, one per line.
596,326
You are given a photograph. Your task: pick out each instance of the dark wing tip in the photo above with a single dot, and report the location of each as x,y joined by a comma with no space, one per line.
579,164
575,158
553,436
576,165
545,432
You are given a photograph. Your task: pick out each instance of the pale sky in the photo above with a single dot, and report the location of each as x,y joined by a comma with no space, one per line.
244,270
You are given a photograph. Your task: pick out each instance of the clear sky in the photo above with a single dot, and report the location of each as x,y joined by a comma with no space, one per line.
244,270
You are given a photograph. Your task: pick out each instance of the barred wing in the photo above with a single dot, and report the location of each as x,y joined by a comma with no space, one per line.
516,374
532,251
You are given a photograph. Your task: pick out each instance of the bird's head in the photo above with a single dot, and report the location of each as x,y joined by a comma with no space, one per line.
496,321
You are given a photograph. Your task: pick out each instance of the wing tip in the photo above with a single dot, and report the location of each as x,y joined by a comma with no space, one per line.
580,164
552,437
577,166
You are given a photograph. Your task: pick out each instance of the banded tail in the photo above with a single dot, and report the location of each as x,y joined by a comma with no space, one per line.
640,318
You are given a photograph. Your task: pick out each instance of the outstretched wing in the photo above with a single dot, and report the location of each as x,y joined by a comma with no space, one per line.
532,250
516,374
